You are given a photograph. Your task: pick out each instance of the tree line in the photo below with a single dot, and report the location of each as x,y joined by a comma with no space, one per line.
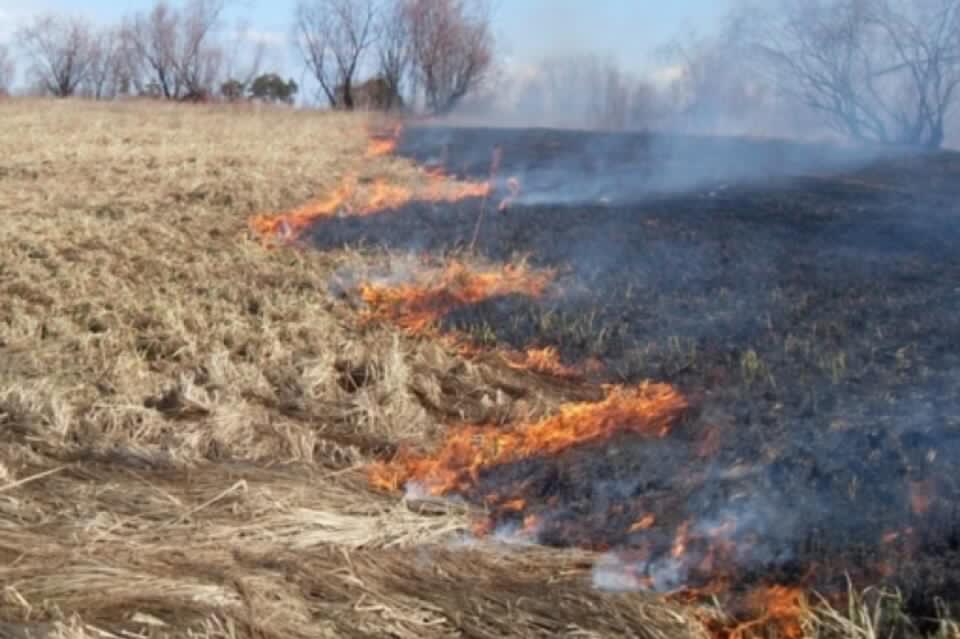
370,53
875,71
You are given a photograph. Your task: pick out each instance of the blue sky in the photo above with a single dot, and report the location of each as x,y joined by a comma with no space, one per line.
626,29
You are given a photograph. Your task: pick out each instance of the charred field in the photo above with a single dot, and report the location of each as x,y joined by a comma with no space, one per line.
803,297
262,374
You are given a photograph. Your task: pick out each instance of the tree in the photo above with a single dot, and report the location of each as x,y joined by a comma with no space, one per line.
233,90
272,88
61,49
375,93
710,87
882,71
104,77
175,49
333,36
394,50
8,70
199,61
153,39
452,48
242,60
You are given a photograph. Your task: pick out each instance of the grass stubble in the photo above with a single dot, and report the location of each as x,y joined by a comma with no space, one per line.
186,414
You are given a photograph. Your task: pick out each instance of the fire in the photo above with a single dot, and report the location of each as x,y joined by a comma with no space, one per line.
387,195
541,360
513,189
680,541
381,144
381,196
780,608
649,409
289,225
644,523
921,496
417,307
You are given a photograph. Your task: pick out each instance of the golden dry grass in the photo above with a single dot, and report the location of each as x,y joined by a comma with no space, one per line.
181,445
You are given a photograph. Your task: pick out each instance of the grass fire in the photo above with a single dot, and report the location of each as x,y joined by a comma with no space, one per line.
335,377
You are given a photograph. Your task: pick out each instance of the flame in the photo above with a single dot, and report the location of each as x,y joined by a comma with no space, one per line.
387,195
382,144
649,409
381,196
417,307
680,541
289,225
921,496
644,523
780,608
513,188
541,360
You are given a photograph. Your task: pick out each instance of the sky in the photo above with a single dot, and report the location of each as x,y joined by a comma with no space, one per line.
628,30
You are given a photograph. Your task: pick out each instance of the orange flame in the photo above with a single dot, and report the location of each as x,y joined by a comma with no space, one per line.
649,409
289,225
387,196
541,360
381,196
781,609
381,144
417,307
644,523
921,496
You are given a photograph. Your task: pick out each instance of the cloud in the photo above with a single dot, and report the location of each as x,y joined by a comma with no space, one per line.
268,38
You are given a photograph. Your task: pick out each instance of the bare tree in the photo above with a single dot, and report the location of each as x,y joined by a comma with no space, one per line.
101,81
242,61
176,49
8,70
333,36
394,49
877,70
710,88
452,48
199,60
61,49
153,40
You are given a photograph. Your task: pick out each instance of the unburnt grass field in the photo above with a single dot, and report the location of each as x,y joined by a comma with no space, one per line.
186,414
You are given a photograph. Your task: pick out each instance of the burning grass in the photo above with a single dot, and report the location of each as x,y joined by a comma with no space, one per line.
186,416
380,196
418,307
648,410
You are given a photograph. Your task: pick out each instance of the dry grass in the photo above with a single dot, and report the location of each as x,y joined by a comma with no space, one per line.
182,447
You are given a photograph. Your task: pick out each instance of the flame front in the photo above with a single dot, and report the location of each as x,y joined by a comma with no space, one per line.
542,360
384,143
649,409
381,196
417,307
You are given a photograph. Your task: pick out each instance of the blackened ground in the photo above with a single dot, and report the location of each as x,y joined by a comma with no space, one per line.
812,317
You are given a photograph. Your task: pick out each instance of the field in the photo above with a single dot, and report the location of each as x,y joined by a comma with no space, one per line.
191,415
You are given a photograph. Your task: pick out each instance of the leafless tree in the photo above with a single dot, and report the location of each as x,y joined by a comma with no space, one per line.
243,58
176,49
711,85
333,36
61,49
394,48
877,70
199,60
102,78
153,39
8,70
452,48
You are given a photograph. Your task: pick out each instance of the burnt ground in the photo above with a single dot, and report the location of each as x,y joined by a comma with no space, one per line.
805,299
